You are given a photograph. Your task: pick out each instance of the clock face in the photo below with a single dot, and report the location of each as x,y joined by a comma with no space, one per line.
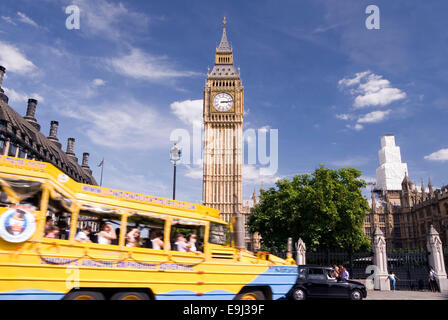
223,101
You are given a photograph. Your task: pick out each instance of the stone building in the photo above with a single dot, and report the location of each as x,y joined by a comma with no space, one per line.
252,240
223,113
405,216
21,137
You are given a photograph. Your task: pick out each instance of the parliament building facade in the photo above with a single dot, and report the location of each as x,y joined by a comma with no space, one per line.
21,137
402,211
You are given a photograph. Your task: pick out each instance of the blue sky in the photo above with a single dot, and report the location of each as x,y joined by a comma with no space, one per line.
310,69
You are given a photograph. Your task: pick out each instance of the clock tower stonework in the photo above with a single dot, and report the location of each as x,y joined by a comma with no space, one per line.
223,114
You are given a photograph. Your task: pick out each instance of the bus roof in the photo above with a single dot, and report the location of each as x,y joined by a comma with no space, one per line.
87,192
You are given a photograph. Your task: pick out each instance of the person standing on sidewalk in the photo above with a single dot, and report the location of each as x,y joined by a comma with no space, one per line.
393,279
432,280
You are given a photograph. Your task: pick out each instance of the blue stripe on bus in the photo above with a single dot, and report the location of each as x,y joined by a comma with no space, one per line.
190,295
31,294
279,278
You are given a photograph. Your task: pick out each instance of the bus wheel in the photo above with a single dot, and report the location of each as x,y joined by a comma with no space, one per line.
250,295
84,295
130,296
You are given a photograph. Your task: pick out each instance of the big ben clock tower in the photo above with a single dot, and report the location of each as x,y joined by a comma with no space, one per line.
223,114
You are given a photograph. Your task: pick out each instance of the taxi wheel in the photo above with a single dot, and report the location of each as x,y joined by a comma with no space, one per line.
250,295
356,295
298,294
84,295
130,296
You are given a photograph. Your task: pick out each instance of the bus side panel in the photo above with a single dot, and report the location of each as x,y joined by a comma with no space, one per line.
280,278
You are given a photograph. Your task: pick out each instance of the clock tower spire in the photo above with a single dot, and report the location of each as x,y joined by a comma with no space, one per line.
223,113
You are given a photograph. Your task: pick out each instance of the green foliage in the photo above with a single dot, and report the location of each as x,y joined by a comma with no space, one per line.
325,209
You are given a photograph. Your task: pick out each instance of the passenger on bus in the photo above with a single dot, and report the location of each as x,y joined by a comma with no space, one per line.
52,232
107,234
83,235
133,238
117,232
48,224
156,239
181,243
191,245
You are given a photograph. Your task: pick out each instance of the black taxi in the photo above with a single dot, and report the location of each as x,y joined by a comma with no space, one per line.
318,282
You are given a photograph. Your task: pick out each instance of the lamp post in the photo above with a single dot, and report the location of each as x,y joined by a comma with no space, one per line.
175,154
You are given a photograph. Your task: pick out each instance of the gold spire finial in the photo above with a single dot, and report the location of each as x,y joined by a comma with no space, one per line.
224,22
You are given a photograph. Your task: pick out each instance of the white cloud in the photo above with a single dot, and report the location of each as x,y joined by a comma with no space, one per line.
8,20
25,19
372,90
347,82
251,175
98,82
101,17
122,125
13,60
16,96
344,116
140,65
189,111
441,155
194,172
264,129
357,127
375,116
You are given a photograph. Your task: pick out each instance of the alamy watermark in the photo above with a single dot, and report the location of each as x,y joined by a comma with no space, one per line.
219,146
373,20
73,21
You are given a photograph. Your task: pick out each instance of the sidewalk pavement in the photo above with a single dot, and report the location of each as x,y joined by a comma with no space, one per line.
405,295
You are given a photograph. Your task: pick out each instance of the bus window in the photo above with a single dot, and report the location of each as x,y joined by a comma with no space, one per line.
145,231
58,217
20,192
219,234
98,224
187,236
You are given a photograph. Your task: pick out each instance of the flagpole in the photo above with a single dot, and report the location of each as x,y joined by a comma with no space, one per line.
102,167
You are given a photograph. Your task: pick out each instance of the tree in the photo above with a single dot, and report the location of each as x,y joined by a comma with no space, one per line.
326,209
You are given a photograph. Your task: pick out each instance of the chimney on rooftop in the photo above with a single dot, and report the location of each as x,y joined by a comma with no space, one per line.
3,97
53,133
85,159
31,112
70,148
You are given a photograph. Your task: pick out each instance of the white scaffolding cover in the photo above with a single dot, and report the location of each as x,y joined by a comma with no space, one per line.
391,171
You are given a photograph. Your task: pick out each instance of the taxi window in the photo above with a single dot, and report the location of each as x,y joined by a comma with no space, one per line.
302,273
316,274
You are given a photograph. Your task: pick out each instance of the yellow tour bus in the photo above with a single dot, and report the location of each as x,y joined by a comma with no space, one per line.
60,239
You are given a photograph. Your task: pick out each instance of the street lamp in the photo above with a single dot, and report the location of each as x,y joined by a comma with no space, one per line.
175,154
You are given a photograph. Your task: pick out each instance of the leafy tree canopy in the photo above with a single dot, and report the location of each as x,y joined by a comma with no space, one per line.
326,209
